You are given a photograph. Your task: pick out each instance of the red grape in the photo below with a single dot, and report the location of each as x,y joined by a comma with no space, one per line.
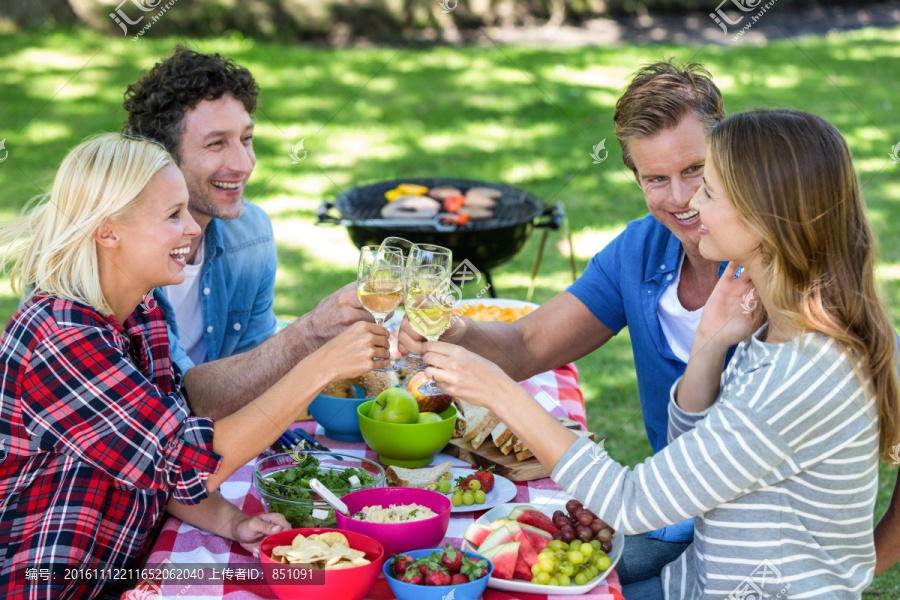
573,505
557,536
606,546
597,525
560,521
604,535
567,535
585,519
584,533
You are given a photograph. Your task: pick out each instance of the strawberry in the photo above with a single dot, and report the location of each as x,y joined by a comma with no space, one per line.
451,559
475,569
412,576
463,482
486,478
458,579
400,564
423,567
437,576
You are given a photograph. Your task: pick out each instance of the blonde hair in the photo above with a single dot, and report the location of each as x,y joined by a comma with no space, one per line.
790,177
53,244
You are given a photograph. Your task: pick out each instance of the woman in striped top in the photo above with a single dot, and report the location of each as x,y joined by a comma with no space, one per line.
777,457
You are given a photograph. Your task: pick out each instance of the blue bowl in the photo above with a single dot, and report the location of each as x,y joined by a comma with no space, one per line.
338,415
464,591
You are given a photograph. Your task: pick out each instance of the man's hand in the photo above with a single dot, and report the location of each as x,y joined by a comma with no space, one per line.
250,531
334,314
410,341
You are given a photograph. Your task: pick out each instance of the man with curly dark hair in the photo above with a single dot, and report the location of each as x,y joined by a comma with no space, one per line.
220,317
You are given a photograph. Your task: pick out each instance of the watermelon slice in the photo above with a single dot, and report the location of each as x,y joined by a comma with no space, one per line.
503,557
477,533
522,570
500,523
531,516
503,535
534,537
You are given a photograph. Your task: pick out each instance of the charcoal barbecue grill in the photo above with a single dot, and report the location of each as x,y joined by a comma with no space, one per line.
486,243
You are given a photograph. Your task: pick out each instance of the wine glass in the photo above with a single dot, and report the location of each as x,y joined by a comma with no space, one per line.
429,308
421,255
379,281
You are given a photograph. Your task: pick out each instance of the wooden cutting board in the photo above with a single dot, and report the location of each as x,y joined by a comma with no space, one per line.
506,465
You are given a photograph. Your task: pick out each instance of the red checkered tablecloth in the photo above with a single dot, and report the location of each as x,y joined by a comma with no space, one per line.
181,545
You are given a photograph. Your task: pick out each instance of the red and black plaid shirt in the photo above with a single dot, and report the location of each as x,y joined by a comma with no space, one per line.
95,437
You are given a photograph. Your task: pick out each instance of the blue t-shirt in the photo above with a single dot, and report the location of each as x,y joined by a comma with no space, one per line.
622,287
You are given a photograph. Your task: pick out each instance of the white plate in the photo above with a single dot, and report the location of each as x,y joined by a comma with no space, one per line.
517,585
504,490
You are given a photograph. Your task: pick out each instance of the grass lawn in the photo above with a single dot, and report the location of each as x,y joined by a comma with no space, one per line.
528,117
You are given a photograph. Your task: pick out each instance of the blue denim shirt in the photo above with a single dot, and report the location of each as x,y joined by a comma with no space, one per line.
622,287
237,287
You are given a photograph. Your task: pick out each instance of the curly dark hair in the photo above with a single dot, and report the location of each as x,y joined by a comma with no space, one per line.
157,102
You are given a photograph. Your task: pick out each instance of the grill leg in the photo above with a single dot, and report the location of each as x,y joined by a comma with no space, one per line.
491,290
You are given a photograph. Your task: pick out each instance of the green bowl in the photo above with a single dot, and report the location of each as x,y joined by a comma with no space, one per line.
403,445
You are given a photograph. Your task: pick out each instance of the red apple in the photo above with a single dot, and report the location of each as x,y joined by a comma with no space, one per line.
436,404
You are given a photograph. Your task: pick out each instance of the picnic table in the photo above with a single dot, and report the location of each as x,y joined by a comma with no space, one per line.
181,545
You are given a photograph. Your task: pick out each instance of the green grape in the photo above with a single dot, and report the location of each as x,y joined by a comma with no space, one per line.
535,580
468,498
575,545
543,577
480,497
575,557
546,563
553,581
474,485
564,580
567,568
456,499
535,569
596,545
592,572
586,550
561,545
581,579
603,563
444,486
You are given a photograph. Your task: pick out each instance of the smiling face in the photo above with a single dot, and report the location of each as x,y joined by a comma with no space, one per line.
723,235
216,158
153,238
669,169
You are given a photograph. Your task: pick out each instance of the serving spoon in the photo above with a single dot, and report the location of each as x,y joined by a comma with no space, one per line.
329,497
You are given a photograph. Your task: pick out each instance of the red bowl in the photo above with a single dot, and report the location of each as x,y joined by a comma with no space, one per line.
340,584
399,537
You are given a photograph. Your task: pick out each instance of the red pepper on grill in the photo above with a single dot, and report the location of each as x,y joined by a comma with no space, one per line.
454,203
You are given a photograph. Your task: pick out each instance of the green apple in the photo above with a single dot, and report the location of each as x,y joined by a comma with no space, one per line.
429,417
395,405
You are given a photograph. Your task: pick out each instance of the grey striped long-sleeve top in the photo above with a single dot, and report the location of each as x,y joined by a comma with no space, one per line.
781,474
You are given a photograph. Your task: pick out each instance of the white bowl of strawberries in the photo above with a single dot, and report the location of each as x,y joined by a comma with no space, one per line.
432,574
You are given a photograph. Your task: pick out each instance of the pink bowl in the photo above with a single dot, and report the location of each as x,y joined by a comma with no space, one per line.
340,584
399,537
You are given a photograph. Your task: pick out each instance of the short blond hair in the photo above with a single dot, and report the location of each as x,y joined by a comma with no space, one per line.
53,244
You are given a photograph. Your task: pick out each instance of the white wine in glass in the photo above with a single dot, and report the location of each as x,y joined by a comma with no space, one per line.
379,280
429,307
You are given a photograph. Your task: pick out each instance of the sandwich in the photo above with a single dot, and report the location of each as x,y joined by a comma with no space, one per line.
426,479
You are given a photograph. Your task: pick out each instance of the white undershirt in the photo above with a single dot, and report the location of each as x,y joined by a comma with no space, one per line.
678,323
185,299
